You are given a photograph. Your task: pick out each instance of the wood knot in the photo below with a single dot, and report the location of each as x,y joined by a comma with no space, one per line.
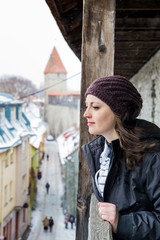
102,48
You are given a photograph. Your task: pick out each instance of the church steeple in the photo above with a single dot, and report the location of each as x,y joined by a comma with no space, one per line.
55,64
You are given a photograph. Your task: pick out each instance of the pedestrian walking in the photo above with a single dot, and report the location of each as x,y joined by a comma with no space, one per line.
39,175
51,223
45,223
66,220
47,187
71,220
124,159
47,156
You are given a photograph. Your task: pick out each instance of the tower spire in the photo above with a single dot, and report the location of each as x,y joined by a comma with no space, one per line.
55,64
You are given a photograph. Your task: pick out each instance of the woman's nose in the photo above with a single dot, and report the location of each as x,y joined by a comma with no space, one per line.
86,113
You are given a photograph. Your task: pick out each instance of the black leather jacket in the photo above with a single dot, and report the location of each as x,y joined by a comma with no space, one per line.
135,193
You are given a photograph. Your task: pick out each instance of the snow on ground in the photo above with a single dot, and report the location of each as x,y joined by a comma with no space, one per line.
50,205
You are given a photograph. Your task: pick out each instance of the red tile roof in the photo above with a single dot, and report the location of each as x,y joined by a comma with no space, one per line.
55,64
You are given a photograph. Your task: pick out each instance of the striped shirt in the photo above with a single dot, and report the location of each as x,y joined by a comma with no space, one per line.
102,173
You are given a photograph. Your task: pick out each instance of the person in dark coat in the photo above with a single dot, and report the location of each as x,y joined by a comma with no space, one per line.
47,187
39,175
124,159
71,220
47,156
51,223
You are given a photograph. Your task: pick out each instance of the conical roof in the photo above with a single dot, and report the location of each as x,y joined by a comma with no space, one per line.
55,64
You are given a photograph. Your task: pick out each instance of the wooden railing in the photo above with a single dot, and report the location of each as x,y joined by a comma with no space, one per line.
98,229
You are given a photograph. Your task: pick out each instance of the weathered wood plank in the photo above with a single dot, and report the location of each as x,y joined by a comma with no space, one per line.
97,60
98,228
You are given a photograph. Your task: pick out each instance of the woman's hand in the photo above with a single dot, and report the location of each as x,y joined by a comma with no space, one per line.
108,212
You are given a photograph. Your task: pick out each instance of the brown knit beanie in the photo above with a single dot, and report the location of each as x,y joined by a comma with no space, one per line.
119,94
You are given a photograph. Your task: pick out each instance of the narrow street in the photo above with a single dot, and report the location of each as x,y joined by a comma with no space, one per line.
50,204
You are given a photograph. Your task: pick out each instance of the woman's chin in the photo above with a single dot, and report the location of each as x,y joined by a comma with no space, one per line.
92,132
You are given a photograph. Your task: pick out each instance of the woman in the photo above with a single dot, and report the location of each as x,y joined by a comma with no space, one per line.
45,223
124,159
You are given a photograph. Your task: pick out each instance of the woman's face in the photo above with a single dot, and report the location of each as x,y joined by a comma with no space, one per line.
101,119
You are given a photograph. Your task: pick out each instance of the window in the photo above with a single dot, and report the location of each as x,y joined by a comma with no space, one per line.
11,158
24,183
24,214
5,195
6,162
11,190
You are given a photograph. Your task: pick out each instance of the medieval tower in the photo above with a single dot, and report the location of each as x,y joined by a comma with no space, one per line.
61,106
55,73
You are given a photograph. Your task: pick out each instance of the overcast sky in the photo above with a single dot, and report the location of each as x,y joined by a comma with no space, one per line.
28,33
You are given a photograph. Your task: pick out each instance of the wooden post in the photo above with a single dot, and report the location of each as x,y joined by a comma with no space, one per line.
97,60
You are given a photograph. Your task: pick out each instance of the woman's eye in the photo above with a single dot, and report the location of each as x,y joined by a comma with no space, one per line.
96,108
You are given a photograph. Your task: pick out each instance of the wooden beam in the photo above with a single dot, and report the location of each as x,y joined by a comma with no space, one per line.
56,12
140,35
55,5
128,59
133,51
67,21
69,6
97,61
138,23
134,44
137,5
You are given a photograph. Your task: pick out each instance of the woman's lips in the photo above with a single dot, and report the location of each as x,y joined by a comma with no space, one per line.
90,123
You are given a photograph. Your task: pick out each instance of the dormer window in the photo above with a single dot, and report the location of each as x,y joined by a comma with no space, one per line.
13,114
20,112
2,115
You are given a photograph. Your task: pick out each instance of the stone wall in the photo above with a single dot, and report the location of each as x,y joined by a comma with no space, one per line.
53,82
147,81
61,118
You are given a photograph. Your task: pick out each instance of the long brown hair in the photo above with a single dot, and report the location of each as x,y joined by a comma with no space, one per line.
133,142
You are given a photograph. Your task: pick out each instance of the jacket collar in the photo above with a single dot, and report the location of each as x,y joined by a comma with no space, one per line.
93,150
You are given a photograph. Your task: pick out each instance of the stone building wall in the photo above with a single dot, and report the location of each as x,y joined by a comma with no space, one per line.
61,118
147,81
55,80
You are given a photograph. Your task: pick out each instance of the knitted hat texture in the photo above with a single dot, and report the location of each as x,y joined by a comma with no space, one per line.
119,94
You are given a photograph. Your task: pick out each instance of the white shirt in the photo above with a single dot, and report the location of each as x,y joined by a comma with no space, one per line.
102,173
